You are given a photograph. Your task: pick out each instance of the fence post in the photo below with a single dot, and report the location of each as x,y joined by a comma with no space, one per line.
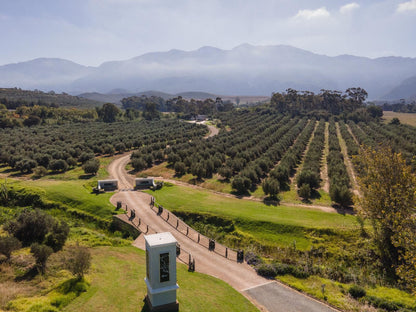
187,231
199,237
167,217
177,223
140,221
226,252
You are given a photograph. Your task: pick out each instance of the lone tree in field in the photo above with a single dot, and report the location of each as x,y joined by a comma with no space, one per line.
41,254
388,187
79,260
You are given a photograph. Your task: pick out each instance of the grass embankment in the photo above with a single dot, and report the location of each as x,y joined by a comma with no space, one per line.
267,224
405,118
117,285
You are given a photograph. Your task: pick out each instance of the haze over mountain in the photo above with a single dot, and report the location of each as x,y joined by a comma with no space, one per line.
244,70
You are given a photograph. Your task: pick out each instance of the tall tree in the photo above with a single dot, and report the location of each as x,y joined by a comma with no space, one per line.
389,201
108,112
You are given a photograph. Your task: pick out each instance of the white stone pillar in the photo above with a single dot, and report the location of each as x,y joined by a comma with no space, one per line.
161,272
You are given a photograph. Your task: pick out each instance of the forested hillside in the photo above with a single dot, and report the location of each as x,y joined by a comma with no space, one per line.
14,97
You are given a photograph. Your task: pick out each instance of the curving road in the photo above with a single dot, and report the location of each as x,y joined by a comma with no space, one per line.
266,294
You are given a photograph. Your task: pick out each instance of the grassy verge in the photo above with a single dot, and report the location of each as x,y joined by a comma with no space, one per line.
117,285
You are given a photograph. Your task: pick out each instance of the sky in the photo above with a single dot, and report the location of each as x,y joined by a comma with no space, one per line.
90,32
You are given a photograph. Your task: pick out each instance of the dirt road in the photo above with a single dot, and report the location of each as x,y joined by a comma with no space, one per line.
240,276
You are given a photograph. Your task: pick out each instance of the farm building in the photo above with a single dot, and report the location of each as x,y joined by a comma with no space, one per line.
107,185
144,183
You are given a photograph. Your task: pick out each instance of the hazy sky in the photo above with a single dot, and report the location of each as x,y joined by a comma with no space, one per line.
90,32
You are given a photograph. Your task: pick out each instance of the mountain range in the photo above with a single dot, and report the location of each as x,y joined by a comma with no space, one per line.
244,70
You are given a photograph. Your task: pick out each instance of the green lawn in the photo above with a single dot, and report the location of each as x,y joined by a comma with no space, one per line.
256,222
117,284
191,200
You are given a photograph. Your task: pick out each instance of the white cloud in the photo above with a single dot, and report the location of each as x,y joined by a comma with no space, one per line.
345,9
407,6
313,14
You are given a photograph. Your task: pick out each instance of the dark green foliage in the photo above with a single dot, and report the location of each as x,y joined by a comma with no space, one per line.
13,98
241,184
41,254
84,157
271,187
31,226
91,166
334,102
58,233
266,270
310,173
40,171
375,111
108,112
36,226
357,292
32,120
339,181
138,164
180,168
308,177
50,145
8,244
26,165
395,121
305,191
58,165
226,172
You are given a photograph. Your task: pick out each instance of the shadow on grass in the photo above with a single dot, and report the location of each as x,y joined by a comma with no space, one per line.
343,210
86,176
28,275
271,201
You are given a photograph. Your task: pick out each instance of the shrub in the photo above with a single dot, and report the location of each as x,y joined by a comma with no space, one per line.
266,270
252,259
58,165
40,171
357,291
41,254
180,168
57,235
305,191
79,260
138,164
8,245
91,166
31,226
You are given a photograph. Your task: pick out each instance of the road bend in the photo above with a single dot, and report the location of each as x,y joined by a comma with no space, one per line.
267,295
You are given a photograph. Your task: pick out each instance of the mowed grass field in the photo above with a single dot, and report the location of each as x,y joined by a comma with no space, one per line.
266,224
117,284
405,118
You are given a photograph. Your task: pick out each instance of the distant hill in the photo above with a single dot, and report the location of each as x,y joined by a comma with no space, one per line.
405,90
43,73
117,97
62,100
246,70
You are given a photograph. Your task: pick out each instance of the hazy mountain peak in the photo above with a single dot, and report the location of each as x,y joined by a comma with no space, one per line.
245,69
